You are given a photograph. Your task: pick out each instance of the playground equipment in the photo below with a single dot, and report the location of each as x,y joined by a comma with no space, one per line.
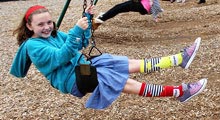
65,9
92,2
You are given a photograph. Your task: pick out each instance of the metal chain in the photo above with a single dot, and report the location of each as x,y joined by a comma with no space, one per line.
92,31
83,14
92,36
84,7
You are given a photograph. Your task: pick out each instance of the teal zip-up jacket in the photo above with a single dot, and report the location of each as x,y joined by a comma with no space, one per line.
55,57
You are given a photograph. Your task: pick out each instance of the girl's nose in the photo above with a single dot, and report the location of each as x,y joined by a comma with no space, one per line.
47,26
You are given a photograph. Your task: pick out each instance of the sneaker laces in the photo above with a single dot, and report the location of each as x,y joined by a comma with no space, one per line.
191,48
191,85
188,48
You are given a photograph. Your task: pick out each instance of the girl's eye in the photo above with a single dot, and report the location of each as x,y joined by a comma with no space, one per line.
41,24
49,22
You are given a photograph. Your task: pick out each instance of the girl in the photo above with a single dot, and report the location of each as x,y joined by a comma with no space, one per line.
142,6
57,56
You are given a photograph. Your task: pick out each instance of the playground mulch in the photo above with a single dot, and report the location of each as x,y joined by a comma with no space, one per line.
127,34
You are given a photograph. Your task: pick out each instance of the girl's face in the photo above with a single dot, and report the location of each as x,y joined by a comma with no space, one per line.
41,25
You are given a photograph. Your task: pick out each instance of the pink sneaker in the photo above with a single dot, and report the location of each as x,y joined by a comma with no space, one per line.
192,89
189,53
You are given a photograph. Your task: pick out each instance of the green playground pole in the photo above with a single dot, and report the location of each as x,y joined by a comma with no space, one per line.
95,1
63,13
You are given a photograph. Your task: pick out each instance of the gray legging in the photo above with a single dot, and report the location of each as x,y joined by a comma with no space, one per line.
128,6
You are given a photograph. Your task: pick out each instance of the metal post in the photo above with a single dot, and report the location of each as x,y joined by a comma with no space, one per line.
95,1
63,13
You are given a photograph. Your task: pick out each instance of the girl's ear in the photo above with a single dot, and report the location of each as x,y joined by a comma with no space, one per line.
29,26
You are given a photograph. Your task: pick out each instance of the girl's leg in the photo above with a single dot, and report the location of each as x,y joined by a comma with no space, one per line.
201,1
183,59
155,64
151,90
183,92
122,8
127,6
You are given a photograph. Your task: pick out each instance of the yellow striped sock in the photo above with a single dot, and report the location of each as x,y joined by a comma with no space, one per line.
170,61
154,64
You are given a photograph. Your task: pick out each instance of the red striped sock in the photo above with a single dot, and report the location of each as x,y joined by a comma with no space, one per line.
150,90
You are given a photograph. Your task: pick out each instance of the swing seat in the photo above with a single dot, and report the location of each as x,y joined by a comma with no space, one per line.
86,78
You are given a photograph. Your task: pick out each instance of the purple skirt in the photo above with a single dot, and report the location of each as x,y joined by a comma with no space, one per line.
112,76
